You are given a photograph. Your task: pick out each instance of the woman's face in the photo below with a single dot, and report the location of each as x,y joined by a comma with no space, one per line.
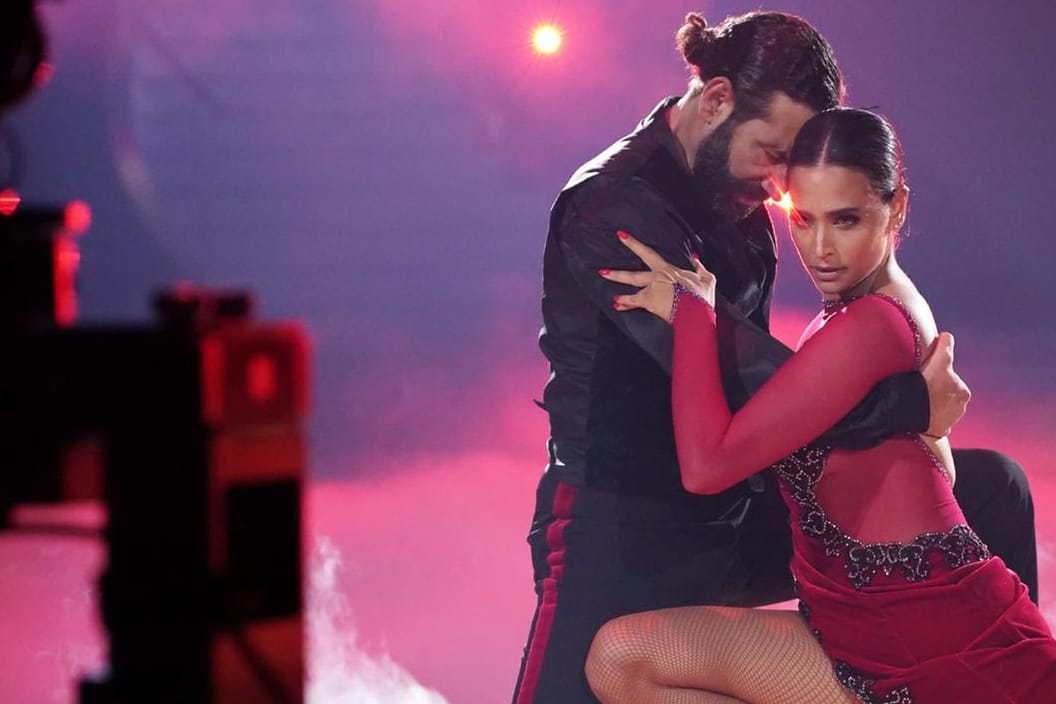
843,232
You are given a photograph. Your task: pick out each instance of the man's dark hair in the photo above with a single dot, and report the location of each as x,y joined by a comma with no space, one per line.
854,139
763,53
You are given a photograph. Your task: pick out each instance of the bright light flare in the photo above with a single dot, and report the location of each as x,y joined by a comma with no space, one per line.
547,39
784,202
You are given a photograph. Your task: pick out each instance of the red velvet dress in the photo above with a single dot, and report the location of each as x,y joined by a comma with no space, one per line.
902,595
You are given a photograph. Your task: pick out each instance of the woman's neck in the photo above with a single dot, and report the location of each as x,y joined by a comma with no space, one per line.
882,277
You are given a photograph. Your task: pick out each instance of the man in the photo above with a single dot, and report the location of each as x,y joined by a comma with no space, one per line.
614,532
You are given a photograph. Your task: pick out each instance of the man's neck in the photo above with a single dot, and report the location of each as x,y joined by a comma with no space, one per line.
677,117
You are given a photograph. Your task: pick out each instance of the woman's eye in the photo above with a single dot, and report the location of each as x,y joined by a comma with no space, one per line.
847,220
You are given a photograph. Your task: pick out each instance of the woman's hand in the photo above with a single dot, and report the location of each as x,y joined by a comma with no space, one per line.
657,285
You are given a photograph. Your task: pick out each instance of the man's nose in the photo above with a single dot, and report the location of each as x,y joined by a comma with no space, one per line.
779,175
774,188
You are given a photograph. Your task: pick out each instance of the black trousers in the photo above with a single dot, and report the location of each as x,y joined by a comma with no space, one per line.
597,555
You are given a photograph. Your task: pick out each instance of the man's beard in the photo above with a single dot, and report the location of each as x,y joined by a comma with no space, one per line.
725,196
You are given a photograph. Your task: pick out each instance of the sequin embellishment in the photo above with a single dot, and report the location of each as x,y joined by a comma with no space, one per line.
863,687
958,546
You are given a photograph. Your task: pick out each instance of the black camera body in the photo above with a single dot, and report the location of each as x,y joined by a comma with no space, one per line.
22,50
197,424
190,432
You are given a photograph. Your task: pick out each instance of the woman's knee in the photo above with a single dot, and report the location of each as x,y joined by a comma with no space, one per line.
618,661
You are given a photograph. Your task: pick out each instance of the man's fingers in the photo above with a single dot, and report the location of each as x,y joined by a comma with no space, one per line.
646,253
941,352
947,392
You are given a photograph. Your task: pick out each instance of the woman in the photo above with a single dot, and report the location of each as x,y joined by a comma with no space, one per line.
899,600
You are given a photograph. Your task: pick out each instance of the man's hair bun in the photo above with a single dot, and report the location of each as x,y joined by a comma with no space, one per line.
692,37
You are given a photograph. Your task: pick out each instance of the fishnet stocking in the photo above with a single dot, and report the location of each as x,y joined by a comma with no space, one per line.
711,655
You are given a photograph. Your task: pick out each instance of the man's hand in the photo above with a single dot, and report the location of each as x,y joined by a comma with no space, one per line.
947,392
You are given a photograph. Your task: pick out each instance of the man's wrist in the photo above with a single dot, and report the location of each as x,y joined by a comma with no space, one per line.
919,405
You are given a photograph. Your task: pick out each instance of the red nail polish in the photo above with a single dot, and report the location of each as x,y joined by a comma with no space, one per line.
604,272
622,235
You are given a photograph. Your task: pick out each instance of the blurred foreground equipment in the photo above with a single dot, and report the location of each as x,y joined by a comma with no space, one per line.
22,50
197,421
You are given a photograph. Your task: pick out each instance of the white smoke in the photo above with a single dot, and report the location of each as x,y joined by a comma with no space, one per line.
339,672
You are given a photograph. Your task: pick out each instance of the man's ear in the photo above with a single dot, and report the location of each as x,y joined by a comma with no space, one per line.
717,101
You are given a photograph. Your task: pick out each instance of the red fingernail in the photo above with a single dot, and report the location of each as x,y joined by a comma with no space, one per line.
615,299
695,256
604,272
621,234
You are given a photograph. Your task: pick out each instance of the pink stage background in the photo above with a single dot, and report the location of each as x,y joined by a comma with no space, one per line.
382,171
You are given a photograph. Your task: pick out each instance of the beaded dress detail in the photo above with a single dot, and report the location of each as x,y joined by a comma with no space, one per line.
958,546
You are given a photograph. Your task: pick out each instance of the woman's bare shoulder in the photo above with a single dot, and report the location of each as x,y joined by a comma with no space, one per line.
906,292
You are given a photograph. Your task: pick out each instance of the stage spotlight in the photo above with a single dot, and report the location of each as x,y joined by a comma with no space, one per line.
547,39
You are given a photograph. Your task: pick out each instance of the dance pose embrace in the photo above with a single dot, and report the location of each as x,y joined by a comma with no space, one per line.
900,600
614,532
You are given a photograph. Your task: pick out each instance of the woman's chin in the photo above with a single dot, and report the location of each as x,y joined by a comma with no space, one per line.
828,289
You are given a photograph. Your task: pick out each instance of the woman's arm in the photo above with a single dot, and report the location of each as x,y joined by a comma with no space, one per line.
820,384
